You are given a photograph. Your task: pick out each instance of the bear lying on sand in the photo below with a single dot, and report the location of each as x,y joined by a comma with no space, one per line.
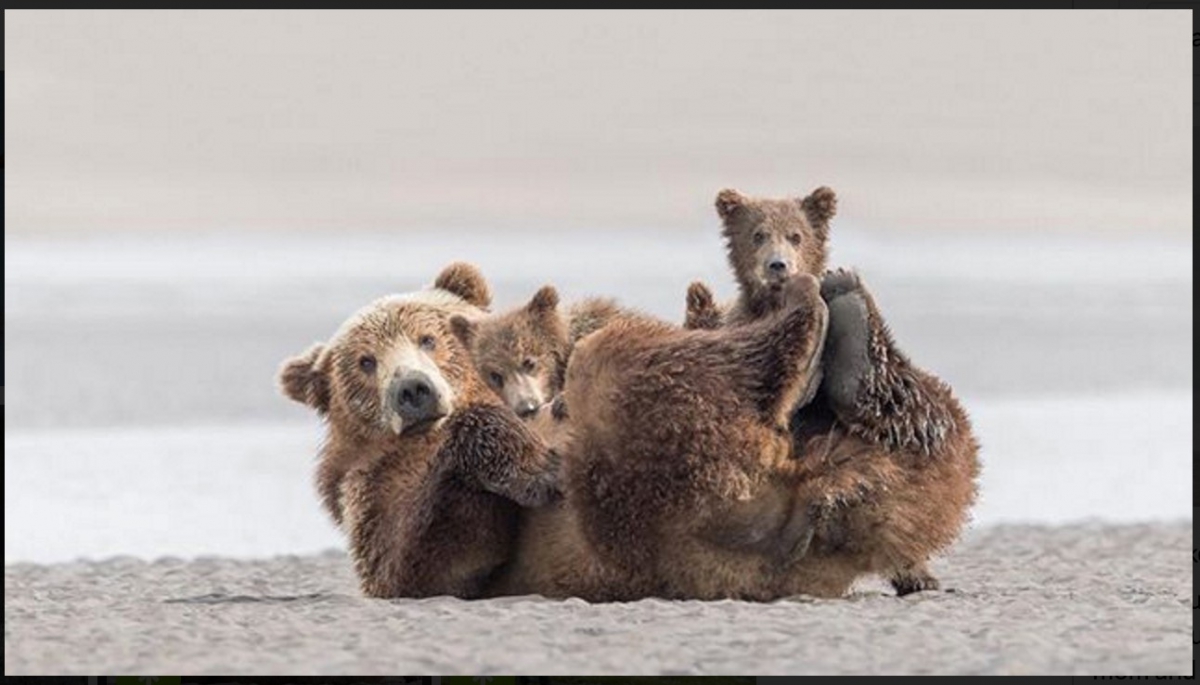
423,466
677,477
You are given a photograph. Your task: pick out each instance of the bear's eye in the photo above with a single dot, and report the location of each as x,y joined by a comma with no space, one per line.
794,238
367,363
528,365
496,379
759,237
427,342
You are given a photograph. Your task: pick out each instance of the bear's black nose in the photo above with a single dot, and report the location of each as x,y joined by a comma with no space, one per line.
526,408
414,397
777,266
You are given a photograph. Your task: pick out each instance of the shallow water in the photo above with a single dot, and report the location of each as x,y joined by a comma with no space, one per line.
142,415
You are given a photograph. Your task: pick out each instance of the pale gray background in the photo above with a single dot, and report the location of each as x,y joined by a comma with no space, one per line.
191,197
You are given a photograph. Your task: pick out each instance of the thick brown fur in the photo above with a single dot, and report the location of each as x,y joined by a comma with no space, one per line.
887,455
678,473
430,504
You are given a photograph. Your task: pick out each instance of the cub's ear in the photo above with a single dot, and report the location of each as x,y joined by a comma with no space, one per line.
464,329
820,206
544,301
466,281
305,378
702,311
729,201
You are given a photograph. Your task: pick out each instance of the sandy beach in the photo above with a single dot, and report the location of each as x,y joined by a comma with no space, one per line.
1088,599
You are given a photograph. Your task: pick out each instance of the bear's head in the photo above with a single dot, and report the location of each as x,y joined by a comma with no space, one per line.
771,240
399,365
521,354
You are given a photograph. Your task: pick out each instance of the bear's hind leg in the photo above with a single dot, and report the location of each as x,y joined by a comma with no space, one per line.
775,525
870,384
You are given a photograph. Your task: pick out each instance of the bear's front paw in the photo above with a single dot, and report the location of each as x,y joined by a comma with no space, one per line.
543,487
702,311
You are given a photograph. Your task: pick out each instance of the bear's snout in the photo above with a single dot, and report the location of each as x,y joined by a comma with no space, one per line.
778,267
415,398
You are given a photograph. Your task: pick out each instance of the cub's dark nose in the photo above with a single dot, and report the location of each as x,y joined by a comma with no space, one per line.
777,266
526,408
413,397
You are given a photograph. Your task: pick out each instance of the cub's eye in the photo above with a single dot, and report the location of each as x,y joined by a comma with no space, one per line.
496,379
528,365
759,237
367,363
794,238
427,342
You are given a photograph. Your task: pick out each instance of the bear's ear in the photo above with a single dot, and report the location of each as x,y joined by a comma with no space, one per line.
464,329
305,378
544,301
729,201
820,206
466,281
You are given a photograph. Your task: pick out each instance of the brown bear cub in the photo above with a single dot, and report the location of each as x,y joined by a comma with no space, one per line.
523,353
887,453
424,468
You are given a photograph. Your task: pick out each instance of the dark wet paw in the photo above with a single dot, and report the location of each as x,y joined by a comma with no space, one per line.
907,584
845,359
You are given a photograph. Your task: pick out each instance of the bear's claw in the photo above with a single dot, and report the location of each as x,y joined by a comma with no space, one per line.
906,583
838,282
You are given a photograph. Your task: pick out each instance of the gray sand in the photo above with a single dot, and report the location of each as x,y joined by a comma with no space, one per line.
1071,600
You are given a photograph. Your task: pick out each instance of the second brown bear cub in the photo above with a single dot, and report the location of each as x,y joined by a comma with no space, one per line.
888,456
522,354
422,465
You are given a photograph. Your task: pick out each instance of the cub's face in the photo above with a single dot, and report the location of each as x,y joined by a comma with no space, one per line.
397,366
520,354
771,240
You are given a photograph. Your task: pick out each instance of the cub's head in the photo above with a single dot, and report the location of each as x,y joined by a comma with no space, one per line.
771,240
521,354
399,365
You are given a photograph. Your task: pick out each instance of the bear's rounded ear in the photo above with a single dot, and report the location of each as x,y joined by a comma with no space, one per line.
466,281
305,378
463,329
729,201
820,206
545,300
